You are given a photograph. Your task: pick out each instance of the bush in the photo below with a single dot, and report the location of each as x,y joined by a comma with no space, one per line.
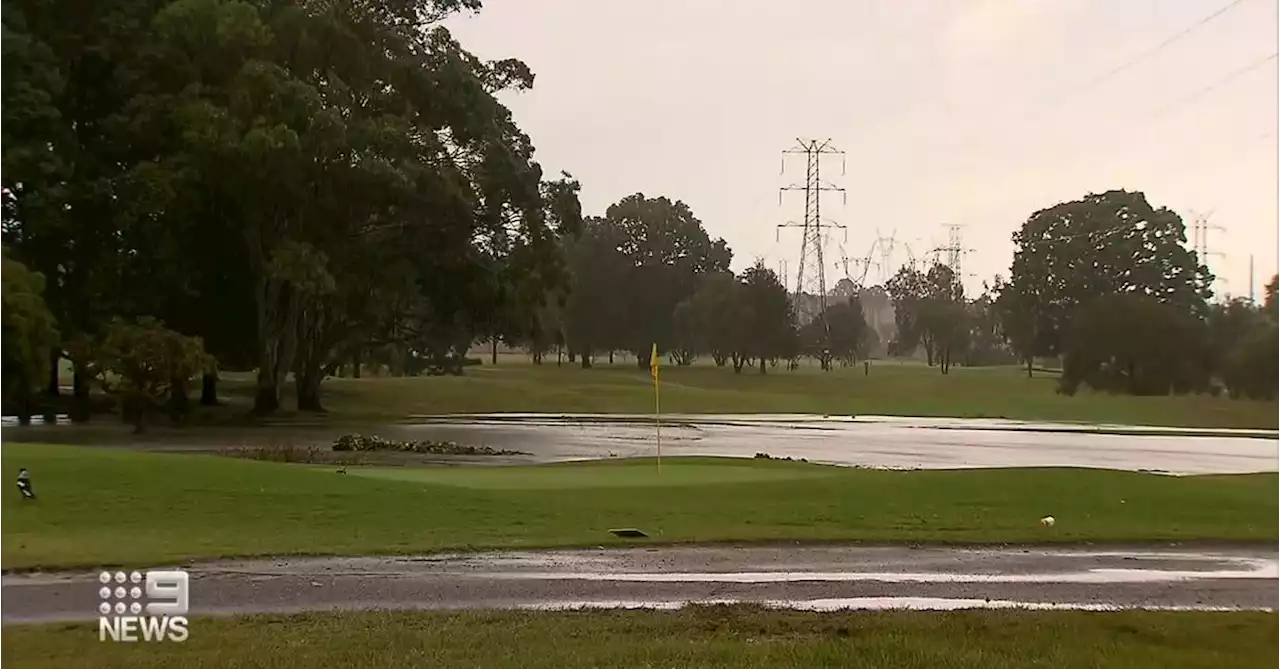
364,442
283,453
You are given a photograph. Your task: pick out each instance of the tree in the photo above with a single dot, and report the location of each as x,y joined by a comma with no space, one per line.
141,362
768,319
71,171
29,333
667,250
877,309
986,338
1103,244
709,322
846,331
595,310
1269,304
366,133
940,316
1136,344
1229,325
908,289
1252,369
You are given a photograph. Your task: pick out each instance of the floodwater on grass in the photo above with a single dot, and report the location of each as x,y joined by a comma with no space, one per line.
889,444
876,604
1266,570
875,442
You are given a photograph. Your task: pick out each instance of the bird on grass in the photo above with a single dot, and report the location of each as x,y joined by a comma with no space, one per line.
24,484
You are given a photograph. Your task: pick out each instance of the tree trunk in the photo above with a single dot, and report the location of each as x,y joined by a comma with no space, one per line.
586,360
559,355
80,405
179,402
55,366
307,388
22,398
133,411
610,356
573,356
1030,364
357,361
493,351
139,417
266,398
762,365
209,390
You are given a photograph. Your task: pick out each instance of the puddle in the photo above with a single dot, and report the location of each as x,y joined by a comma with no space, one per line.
1092,577
876,604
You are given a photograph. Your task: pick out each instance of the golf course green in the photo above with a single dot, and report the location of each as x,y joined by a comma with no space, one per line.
110,506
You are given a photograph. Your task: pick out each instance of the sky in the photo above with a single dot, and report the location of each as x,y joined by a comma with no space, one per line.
974,113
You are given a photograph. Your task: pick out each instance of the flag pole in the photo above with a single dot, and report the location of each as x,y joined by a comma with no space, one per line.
657,401
657,420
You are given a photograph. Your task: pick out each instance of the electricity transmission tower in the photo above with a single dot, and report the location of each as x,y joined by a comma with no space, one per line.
810,299
954,250
1200,227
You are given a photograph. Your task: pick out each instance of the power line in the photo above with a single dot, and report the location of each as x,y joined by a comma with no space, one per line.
1141,56
1222,81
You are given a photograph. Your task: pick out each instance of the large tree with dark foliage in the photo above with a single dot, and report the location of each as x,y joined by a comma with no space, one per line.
1112,243
325,178
1135,344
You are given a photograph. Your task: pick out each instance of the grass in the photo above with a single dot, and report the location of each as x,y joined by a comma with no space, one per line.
105,506
900,389
722,636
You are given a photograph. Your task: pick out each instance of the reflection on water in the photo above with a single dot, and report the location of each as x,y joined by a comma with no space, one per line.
874,442
874,604
1263,569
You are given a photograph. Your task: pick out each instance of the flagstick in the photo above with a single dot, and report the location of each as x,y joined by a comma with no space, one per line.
657,420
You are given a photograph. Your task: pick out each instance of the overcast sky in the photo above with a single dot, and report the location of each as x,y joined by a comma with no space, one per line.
972,112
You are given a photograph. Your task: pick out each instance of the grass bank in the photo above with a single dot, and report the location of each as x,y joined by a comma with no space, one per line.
101,506
737,637
889,389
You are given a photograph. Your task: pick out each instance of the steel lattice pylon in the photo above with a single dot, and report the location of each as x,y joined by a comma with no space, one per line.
810,296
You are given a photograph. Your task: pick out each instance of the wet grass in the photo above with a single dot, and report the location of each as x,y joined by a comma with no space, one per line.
899,389
623,474
103,506
719,636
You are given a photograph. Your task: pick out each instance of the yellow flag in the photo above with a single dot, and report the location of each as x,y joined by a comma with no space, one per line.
653,362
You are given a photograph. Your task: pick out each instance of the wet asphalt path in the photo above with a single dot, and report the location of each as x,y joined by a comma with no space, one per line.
814,577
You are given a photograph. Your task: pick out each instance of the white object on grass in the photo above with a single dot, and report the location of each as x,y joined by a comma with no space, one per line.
1047,521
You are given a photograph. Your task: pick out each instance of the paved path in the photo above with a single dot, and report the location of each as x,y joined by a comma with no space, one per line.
816,577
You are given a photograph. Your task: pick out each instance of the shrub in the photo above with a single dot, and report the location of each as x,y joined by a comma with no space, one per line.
364,442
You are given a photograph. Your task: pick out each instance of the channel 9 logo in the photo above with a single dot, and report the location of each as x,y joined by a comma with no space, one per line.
125,617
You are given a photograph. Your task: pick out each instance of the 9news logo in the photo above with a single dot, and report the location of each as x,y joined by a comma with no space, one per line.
167,595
